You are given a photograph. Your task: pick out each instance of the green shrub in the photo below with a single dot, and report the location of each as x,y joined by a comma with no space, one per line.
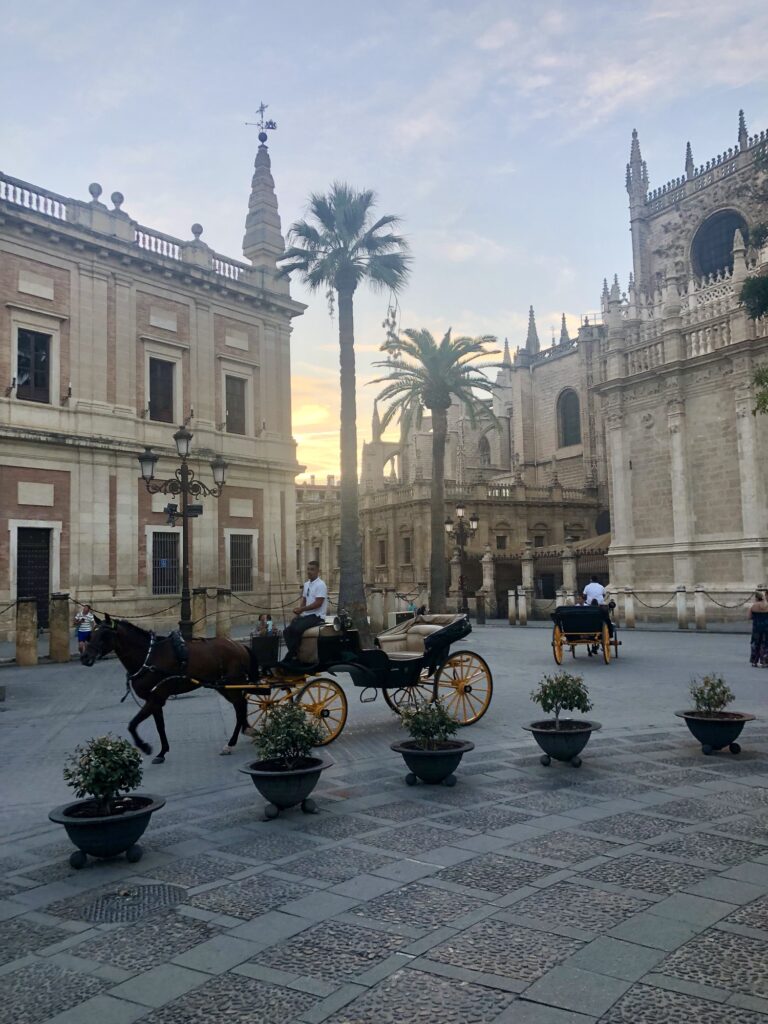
711,694
429,724
754,295
288,735
562,692
103,768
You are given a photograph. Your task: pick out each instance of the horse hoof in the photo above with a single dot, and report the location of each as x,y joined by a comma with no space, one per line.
225,750
160,759
145,748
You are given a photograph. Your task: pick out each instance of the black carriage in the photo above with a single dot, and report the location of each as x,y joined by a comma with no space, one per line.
411,663
584,625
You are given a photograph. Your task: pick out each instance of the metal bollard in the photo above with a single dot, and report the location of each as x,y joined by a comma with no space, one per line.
26,631
59,627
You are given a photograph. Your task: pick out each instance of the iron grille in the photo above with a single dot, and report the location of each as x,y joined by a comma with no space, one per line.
241,561
165,563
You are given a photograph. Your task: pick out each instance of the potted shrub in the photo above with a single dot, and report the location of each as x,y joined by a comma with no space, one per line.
713,727
288,771
430,753
112,818
562,738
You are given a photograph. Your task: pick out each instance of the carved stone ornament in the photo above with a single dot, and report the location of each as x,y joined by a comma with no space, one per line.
647,420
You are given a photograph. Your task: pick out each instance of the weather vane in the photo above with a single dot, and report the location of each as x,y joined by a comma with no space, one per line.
263,125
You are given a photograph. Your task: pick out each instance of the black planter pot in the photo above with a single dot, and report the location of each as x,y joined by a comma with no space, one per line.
565,743
110,835
716,730
432,766
285,788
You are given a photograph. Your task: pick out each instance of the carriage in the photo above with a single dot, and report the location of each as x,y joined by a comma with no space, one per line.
580,625
411,663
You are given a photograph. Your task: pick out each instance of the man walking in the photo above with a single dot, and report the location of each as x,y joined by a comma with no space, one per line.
309,612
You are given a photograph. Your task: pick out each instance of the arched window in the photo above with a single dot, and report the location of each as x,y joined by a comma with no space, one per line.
484,449
712,247
568,419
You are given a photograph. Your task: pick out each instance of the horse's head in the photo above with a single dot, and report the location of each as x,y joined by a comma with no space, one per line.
102,641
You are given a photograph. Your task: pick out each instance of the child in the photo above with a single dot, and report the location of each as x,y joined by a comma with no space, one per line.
85,622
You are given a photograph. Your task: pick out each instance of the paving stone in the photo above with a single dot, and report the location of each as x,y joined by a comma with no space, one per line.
240,1000
401,810
127,902
508,950
412,839
578,906
422,998
699,911
9,889
146,943
338,826
522,1012
461,795
276,846
616,787
738,767
753,915
617,959
705,847
19,937
169,837
249,896
493,872
716,805
647,874
644,1004
54,872
667,778
193,871
320,904
646,929
722,959
638,827
12,863
485,819
562,845
337,864
754,825
38,991
333,950
575,989
419,905
551,802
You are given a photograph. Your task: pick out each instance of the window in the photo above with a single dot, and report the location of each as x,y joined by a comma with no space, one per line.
235,399
484,450
241,561
165,563
406,550
33,371
381,549
568,419
316,556
712,248
538,541
161,391
501,542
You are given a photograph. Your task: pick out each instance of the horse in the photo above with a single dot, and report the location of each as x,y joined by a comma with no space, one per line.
155,673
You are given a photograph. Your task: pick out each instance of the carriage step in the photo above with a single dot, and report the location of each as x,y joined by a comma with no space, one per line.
368,700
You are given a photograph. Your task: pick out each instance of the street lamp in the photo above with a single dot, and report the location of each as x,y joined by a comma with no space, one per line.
462,532
183,483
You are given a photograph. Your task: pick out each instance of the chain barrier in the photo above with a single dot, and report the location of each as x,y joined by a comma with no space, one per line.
11,605
149,615
731,607
654,606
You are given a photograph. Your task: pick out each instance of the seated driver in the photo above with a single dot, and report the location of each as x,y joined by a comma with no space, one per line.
310,611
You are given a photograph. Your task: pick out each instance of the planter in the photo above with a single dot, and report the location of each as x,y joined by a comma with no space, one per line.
432,766
286,787
716,729
107,835
565,743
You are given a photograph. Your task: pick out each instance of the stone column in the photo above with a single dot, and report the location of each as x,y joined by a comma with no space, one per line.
750,475
59,627
390,606
569,570
376,610
522,606
681,604
489,582
527,566
682,515
223,611
199,620
700,608
512,607
629,608
26,631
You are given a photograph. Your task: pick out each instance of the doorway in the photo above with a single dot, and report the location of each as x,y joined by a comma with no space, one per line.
33,569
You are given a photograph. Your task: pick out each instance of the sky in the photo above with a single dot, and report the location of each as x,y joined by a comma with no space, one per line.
498,131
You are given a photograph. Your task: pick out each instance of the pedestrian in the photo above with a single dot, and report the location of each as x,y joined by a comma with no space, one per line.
758,644
84,622
310,611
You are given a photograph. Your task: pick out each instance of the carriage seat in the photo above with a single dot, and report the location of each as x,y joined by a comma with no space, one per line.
308,647
407,638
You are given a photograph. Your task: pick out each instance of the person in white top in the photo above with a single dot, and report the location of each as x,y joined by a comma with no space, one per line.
594,591
310,611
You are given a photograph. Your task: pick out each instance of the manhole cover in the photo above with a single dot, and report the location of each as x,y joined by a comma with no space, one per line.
127,903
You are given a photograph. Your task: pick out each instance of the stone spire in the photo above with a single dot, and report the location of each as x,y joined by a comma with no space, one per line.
637,171
375,424
507,358
743,136
564,339
688,161
263,242
532,338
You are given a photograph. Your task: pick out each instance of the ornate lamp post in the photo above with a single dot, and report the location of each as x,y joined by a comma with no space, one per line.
462,532
183,483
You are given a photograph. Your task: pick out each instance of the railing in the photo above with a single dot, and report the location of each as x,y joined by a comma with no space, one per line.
708,338
232,269
641,359
159,244
12,190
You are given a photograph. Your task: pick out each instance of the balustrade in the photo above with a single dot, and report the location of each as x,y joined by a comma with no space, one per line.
39,200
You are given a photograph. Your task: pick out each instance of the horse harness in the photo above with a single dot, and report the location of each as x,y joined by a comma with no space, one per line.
181,651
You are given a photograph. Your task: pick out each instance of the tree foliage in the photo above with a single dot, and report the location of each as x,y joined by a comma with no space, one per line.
562,692
429,725
103,768
754,295
288,735
711,694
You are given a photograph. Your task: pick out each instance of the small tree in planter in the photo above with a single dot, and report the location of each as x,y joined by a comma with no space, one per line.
562,738
109,821
709,722
288,771
431,754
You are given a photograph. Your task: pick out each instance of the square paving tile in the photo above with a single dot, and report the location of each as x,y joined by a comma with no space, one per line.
337,826
569,847
723,959
615,787
644,1004
236,1000
464,794
118,903
715,805
648,874
419,905
485,819
39,991
147,943
716,849
637,827
753,915
496,947
551,802
332,950
249,897
495,873
269,847
423,998
44,874
169,837
337,864
668,777
19,937
754,825
578,906
192,871
412,839
402,810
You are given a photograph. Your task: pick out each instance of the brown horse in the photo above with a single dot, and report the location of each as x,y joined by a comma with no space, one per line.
155,673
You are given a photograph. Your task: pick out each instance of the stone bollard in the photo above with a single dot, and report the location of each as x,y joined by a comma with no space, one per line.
522,606
699,608
512,607
629,608
59,628
390,607
223,611
681,601
480,609
26,631
199,610
376,610
561,597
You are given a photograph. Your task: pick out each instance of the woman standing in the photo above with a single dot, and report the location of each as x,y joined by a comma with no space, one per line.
758,613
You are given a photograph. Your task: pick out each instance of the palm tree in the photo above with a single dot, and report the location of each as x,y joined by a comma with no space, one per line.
337,248
425,375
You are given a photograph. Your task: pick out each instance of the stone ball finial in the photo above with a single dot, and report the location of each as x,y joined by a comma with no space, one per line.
95,189
118,199
197,230
262,137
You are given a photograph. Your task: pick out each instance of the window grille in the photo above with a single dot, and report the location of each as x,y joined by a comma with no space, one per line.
33,370
241,562
161,390
235,401
165,563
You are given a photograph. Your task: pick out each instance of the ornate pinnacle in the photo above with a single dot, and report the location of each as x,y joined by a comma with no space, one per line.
688,161
743,137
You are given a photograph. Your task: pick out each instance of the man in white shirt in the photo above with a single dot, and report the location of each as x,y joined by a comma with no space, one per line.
594,591
310,611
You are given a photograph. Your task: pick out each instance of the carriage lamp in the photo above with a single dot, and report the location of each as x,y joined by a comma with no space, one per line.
147,461
183,439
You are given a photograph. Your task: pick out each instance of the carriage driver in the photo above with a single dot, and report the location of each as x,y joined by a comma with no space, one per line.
309,612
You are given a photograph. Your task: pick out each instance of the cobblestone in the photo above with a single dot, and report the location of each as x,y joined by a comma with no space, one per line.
249,897
717,849
19,936
492,872
643,1004
722,959
422,905
637,827
648,874
578,906
336,865
569,847
332,950
38,991
237,1001
145,943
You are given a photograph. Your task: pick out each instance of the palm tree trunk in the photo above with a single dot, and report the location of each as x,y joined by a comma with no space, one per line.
437,512
351,589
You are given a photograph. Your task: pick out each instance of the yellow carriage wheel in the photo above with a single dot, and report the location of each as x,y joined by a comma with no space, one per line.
558,643
325,701
423,692
605,643
260,704
465,686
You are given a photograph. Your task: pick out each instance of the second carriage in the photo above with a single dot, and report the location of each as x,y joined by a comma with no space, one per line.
411,663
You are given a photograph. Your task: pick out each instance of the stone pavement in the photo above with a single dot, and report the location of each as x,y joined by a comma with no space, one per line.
633,889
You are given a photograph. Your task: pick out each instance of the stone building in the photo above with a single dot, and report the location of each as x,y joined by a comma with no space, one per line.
111,335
